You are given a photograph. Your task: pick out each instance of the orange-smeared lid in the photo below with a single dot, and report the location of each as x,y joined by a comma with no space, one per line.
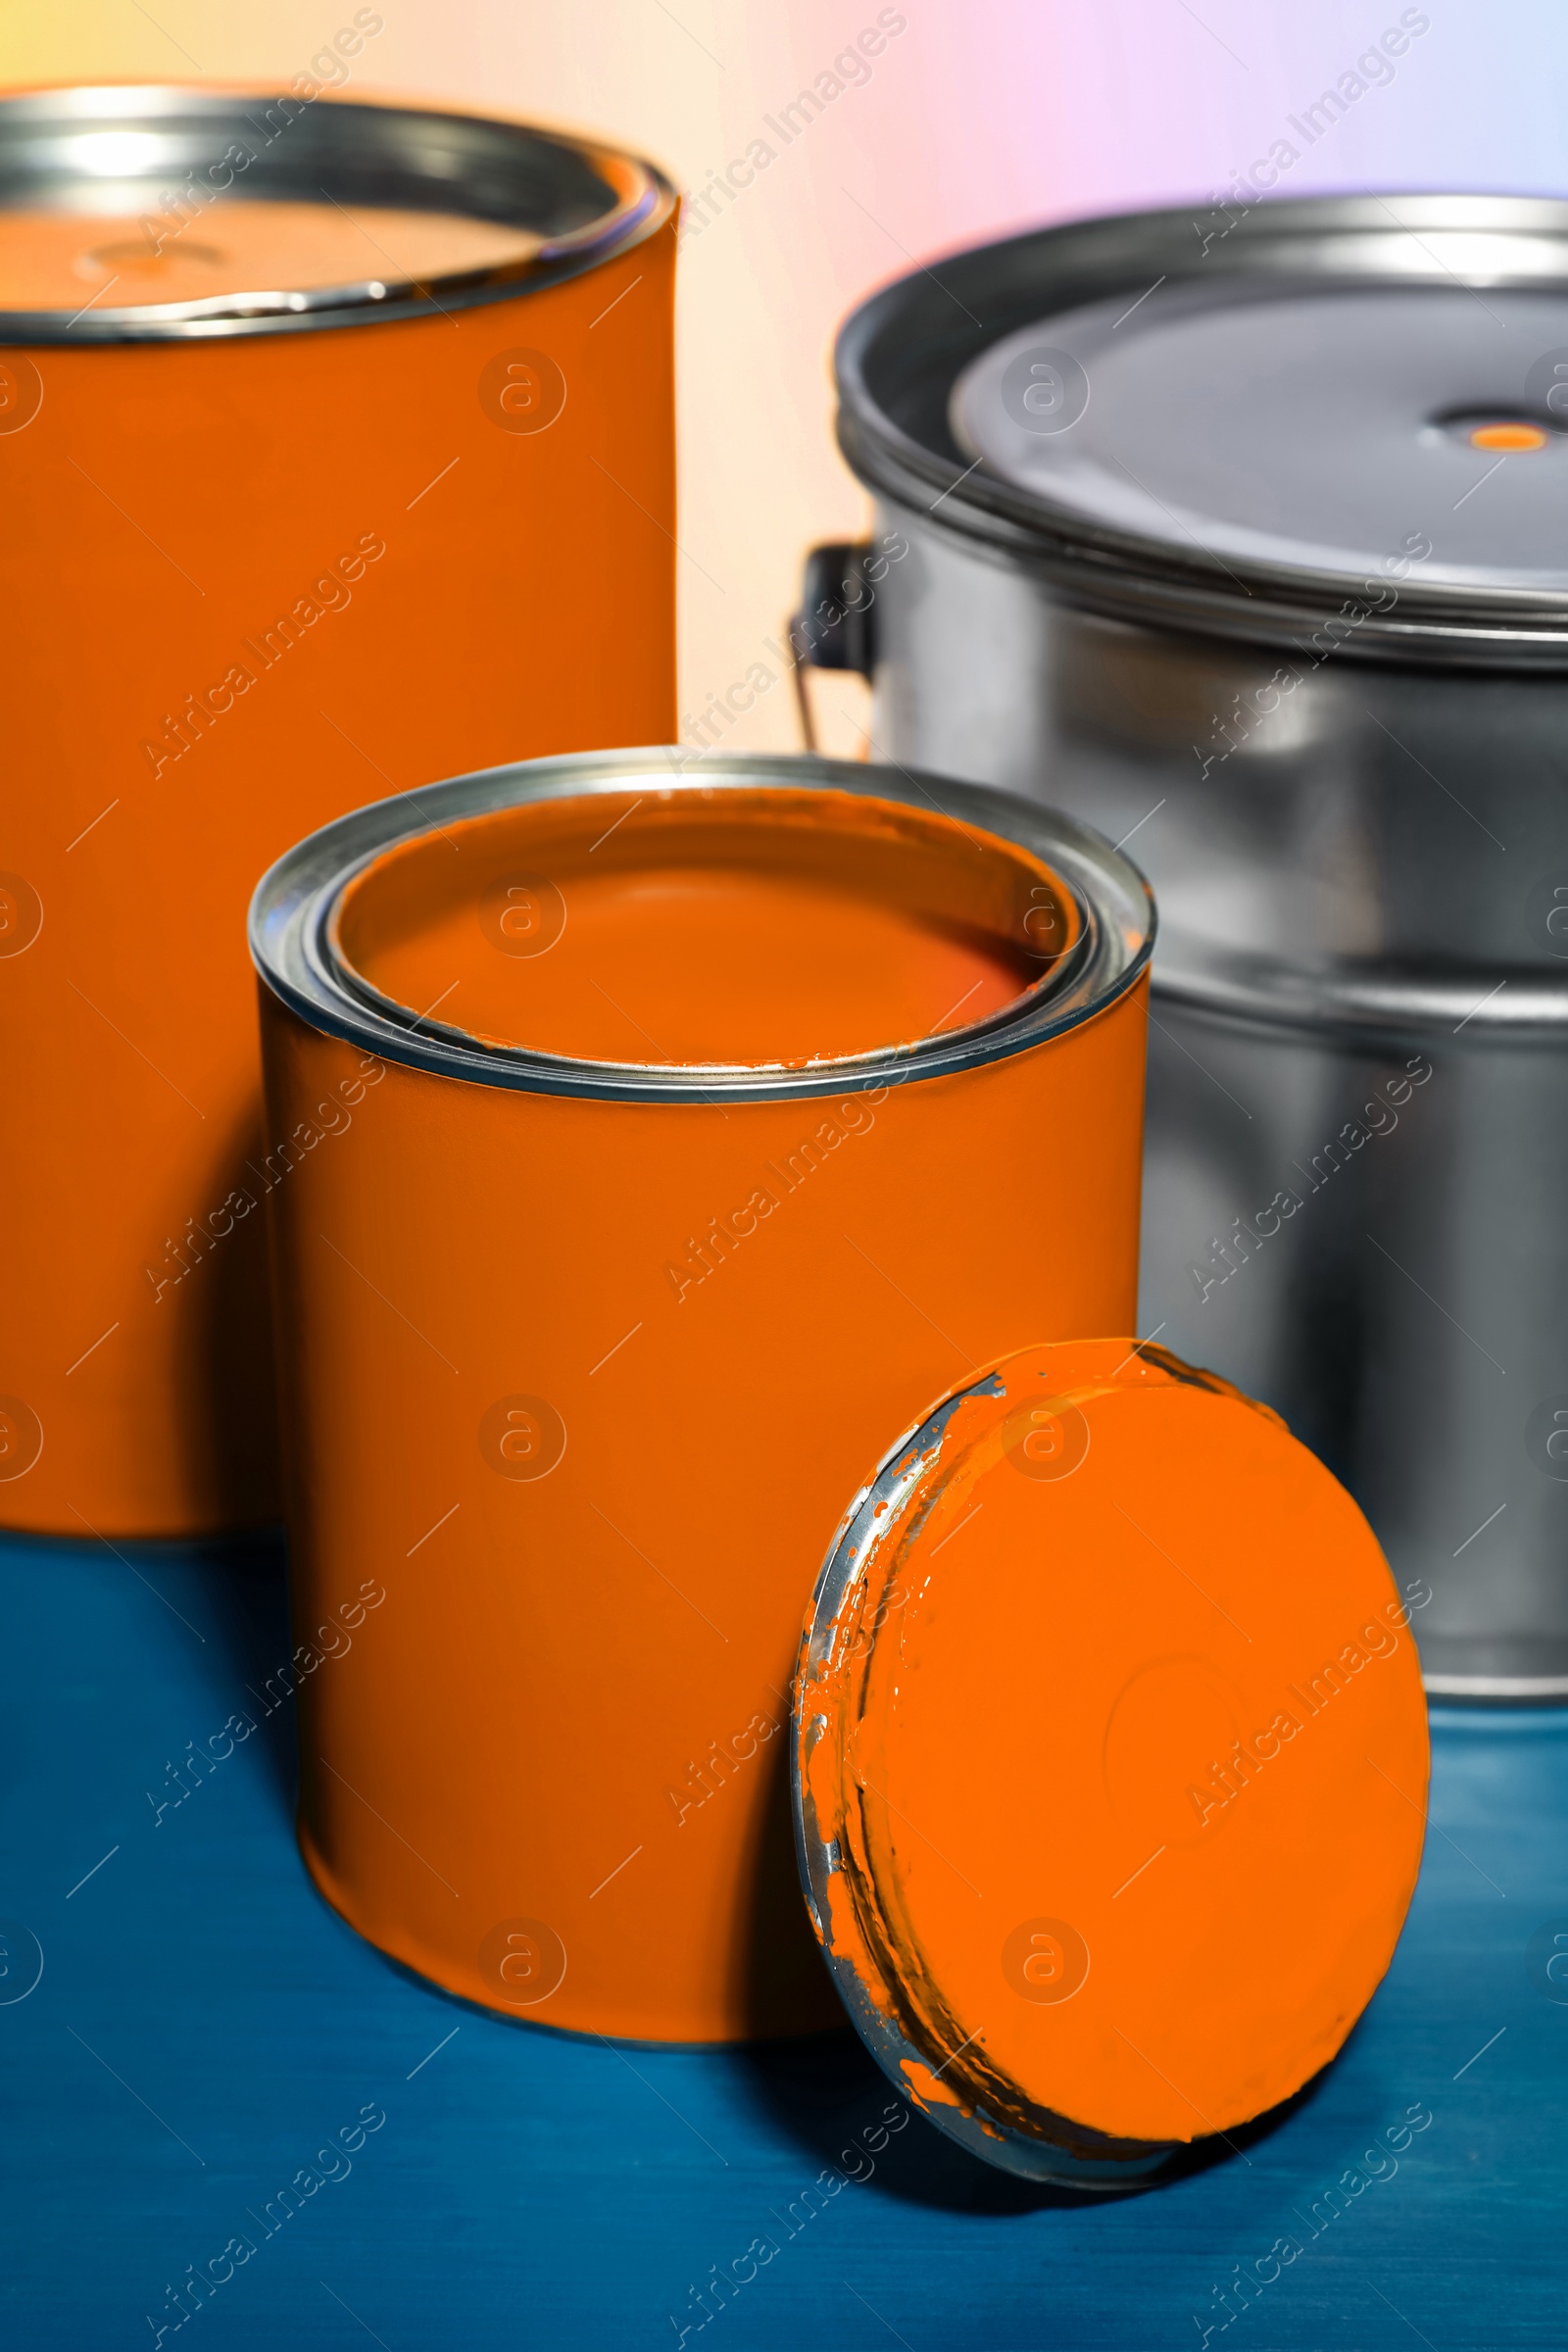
1111,1755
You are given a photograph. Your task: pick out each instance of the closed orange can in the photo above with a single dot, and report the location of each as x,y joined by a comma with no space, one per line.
660,1135
316,448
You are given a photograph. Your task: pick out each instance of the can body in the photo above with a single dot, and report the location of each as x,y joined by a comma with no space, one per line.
253,581
550,1767
1352,1177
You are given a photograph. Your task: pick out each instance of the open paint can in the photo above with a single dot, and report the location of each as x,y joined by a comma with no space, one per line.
315,450
1111,1755
657,1136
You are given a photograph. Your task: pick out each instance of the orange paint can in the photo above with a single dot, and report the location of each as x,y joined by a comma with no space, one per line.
320,475
660,1135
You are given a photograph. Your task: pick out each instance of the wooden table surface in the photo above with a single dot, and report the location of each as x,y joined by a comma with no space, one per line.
203,2028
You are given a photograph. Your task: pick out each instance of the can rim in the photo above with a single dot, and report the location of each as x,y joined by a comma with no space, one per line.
370,145
290,916
1021,280
1074,2155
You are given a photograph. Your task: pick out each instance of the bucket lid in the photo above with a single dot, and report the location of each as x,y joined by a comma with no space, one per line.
135,213
1110,1758
1271,404
1364,430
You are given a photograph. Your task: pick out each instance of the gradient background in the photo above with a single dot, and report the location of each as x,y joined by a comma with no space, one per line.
980,117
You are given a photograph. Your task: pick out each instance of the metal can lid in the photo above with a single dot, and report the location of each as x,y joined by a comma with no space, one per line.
139,213
1110,1758
1362,430
1146,535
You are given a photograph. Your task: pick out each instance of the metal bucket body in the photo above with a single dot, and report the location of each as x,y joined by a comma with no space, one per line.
1349,805
552,1772
256,571
1378,1240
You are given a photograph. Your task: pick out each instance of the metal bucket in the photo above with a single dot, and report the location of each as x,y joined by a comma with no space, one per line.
584,1355
315,452
1340,765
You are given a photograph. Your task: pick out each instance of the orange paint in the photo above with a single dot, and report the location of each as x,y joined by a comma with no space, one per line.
587,1384
648,928
1121,1733
169,506
53,261
1508,437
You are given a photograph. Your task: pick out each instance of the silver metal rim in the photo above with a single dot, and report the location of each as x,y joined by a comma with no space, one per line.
1464,1010
872,1512
1521,1687
291,912
1024,279
479,167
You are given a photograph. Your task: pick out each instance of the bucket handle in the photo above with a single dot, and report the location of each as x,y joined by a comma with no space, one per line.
832,629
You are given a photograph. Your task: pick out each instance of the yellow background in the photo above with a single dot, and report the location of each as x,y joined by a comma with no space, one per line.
979,117
760,298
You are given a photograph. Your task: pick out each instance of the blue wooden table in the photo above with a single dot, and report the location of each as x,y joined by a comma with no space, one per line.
212,2077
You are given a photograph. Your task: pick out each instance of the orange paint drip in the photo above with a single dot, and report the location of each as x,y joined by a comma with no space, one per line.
927,2089
747,926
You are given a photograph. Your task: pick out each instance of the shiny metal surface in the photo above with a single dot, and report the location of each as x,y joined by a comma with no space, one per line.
125,149
1374,873
1348,797
900,356
293,944
1293,421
